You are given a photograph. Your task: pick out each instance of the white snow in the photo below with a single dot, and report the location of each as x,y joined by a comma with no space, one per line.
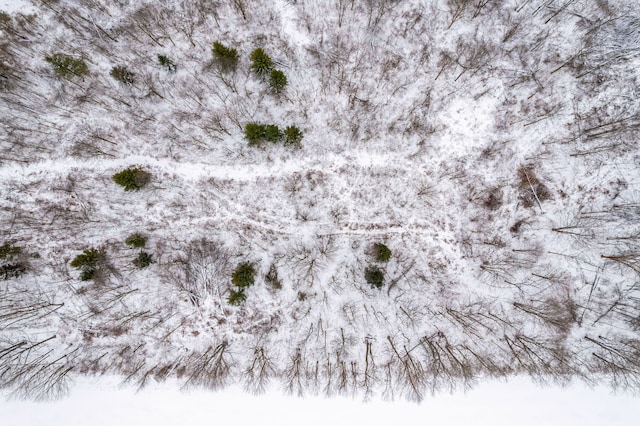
17,6
493,403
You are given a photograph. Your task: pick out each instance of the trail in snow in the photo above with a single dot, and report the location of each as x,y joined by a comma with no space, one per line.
197,171
234,211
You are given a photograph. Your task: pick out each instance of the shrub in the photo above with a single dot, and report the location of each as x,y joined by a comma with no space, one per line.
14,270
244,275
123,75
272,278
167,63
226,58
10,270
261,63
381,252
374,276
254,133
272,133
493,200
132,179
143,260
7,251
66,66
236,297
292,135
277,81
531,189
136,240
89,262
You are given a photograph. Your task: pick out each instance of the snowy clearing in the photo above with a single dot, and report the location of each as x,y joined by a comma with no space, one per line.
493,403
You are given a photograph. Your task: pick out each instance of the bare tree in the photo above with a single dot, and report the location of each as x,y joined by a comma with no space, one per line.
294,375
210,369
33,370
457,9
540,356
619,359
630,260
202,271
260,371
560,313
408,371
370,371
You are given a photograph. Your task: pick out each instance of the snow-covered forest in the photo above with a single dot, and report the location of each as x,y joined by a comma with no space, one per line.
341,197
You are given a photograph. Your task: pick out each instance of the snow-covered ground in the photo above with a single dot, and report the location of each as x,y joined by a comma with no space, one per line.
516,402
491,146
14,6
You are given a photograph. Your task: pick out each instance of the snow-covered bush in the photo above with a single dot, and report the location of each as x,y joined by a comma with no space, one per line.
66,66
374,276
381,252
244,275
10,264
123,75
132,179
236,297
143,260
167,63
225,58
272,133
292,135
89,262
8,251
136,240
256,133
277,81
261,63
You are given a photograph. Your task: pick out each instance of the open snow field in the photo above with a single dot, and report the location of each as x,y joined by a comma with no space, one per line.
492,403
490,147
